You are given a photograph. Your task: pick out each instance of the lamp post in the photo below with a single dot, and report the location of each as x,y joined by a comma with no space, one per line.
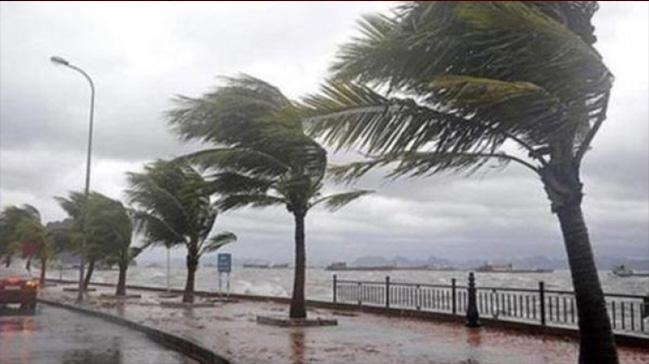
62,62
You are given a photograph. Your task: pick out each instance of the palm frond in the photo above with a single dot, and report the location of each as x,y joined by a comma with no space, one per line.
347,115
545,44
217,241
230,115
242,160
337,201
235,201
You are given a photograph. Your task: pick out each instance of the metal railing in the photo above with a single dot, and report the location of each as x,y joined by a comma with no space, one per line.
628,313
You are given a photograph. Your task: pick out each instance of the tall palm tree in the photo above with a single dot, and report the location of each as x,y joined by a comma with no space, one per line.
451,86
173,207
261,157
102,227
10,218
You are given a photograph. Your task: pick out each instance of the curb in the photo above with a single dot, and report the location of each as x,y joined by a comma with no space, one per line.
182,345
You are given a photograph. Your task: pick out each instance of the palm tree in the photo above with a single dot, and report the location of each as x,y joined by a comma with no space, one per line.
10,218
262,157
21,230
100,228
451,86
173,207
36,241
109,221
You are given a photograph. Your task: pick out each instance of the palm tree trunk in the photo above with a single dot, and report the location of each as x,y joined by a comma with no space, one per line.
564,189
298,304
43,270
596,340
91,268
121,281
192,265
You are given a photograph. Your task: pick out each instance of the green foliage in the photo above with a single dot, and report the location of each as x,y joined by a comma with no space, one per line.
173,206
448,85
105,225
262,156
16,225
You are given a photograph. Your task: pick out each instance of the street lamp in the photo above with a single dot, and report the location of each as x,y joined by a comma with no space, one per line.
62,62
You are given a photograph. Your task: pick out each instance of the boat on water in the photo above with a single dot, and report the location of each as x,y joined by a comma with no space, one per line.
266,266
508,268
624,271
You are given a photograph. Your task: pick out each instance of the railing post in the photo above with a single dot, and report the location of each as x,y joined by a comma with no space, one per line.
542,301
387,291
472,315
454,296
335,288
360,293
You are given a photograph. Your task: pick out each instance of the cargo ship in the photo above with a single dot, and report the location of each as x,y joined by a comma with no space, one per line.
508,268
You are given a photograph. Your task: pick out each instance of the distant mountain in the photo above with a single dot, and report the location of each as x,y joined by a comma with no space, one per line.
371,261
400,261
532,262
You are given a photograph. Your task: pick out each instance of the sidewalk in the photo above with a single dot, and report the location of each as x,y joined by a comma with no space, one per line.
231,330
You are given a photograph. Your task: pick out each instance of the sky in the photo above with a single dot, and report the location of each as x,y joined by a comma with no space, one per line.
142,54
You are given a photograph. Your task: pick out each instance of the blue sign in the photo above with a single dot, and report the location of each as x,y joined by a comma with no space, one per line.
224,262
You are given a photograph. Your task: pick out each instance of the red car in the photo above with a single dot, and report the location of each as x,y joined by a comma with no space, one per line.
17,289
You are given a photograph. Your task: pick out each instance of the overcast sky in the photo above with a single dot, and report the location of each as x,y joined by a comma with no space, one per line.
141,54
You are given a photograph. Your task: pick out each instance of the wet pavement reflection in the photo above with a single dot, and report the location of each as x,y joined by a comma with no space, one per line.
55,335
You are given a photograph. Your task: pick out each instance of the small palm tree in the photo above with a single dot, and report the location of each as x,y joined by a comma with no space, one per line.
262,158
101,230
469,82
109,221
173,207
36,241
10,218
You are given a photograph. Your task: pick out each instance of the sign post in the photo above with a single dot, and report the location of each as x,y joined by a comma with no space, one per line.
224,266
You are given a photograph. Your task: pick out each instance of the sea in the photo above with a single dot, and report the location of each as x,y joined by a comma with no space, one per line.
319,282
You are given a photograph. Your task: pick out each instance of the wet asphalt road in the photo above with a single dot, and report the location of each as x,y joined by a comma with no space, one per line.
54,335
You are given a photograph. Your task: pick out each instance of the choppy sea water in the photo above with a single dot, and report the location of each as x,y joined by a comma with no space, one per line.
278,282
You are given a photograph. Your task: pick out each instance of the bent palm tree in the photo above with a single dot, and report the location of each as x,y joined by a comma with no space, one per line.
262,157
99,227
173,207
10,218
466,83
108,220
36,241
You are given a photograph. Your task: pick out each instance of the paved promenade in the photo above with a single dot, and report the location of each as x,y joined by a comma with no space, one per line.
230,329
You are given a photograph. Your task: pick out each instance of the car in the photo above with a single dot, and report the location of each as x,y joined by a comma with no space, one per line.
17,288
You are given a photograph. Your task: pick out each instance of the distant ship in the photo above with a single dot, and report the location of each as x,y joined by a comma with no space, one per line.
624,271
507,268
265,265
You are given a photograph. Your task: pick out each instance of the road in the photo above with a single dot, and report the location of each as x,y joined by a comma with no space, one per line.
55,335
